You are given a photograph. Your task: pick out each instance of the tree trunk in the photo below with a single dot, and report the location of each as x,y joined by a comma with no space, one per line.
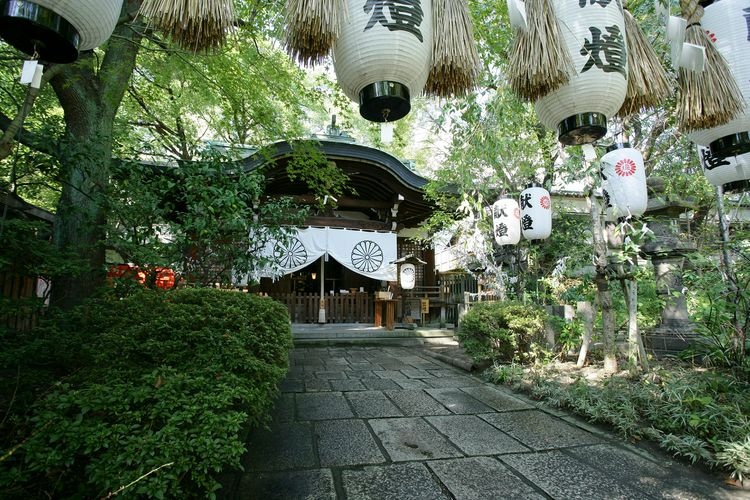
603,291
90,97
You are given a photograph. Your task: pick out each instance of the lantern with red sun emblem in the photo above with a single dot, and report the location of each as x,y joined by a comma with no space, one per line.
536,213
506,221
625,176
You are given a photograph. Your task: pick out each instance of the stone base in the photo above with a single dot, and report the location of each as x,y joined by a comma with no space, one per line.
665,341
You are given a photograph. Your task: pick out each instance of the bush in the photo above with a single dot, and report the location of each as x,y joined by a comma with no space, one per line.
158,384
504,331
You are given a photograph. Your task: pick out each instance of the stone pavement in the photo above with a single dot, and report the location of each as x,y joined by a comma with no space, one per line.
394,423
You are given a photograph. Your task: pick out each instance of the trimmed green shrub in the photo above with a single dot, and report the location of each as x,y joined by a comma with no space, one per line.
504,331
154,389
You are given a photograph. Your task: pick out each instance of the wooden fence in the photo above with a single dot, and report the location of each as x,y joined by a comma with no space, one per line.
14,290
347,308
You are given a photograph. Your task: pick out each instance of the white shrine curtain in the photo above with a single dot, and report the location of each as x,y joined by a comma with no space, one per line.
365,252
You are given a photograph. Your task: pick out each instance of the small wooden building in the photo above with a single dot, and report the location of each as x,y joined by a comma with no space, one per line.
345,255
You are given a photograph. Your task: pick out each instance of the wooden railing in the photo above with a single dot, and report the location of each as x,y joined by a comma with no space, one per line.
346,308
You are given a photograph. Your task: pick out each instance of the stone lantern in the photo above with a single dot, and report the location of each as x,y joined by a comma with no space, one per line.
667,253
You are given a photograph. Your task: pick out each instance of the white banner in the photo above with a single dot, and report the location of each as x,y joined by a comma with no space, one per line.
364,252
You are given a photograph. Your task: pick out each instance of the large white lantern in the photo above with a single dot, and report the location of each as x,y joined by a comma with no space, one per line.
731,172
625,190
594,35
727,23
56,30
536,213
407,276
506,221
382,55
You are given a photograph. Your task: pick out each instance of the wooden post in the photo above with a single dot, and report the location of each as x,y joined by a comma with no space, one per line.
586,313
322,308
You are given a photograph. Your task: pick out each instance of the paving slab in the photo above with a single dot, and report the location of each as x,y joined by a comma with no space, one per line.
416,403
384,422
562,476
372,404
380,384
322,406
393,482
346,442
411,438
458,401
497,398
345,385
660,478
482,478
304,484
474,436
283,446
540,431
411,383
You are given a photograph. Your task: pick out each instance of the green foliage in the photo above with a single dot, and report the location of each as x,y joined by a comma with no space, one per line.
697,414
158,383
720,310
196,219
503,331
310,166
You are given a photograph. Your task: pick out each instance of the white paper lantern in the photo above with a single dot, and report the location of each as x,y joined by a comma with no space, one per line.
57,29
625,175
408,276
594,35
728,23
731,172
506,221
536,213
382,55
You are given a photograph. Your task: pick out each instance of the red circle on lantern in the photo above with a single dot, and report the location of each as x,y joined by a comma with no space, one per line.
625,167
544,202
517,213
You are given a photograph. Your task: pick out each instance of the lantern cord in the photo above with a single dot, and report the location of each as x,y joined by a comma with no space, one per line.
386,114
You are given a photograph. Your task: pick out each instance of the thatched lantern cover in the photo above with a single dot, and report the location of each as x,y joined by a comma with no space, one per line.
56,30
593,33
382,55
506,221
732,172
536,213
625,191
728,25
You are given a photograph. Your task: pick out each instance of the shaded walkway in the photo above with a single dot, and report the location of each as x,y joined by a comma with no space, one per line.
393,422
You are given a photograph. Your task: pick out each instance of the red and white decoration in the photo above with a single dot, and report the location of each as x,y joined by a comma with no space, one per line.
383,49
506,221
594,36
536,213
728,25
407,276
723,171
625,183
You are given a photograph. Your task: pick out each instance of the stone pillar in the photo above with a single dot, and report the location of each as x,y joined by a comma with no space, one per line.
667,253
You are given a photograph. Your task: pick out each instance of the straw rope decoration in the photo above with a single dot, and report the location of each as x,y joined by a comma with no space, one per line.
312,28
710,98
648,84
455,61
196,25
539,62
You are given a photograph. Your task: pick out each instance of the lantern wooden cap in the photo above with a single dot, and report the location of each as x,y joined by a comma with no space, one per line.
32,28
731,145
384,101
582,128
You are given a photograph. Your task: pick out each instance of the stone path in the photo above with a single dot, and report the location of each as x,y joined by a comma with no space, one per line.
394,423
